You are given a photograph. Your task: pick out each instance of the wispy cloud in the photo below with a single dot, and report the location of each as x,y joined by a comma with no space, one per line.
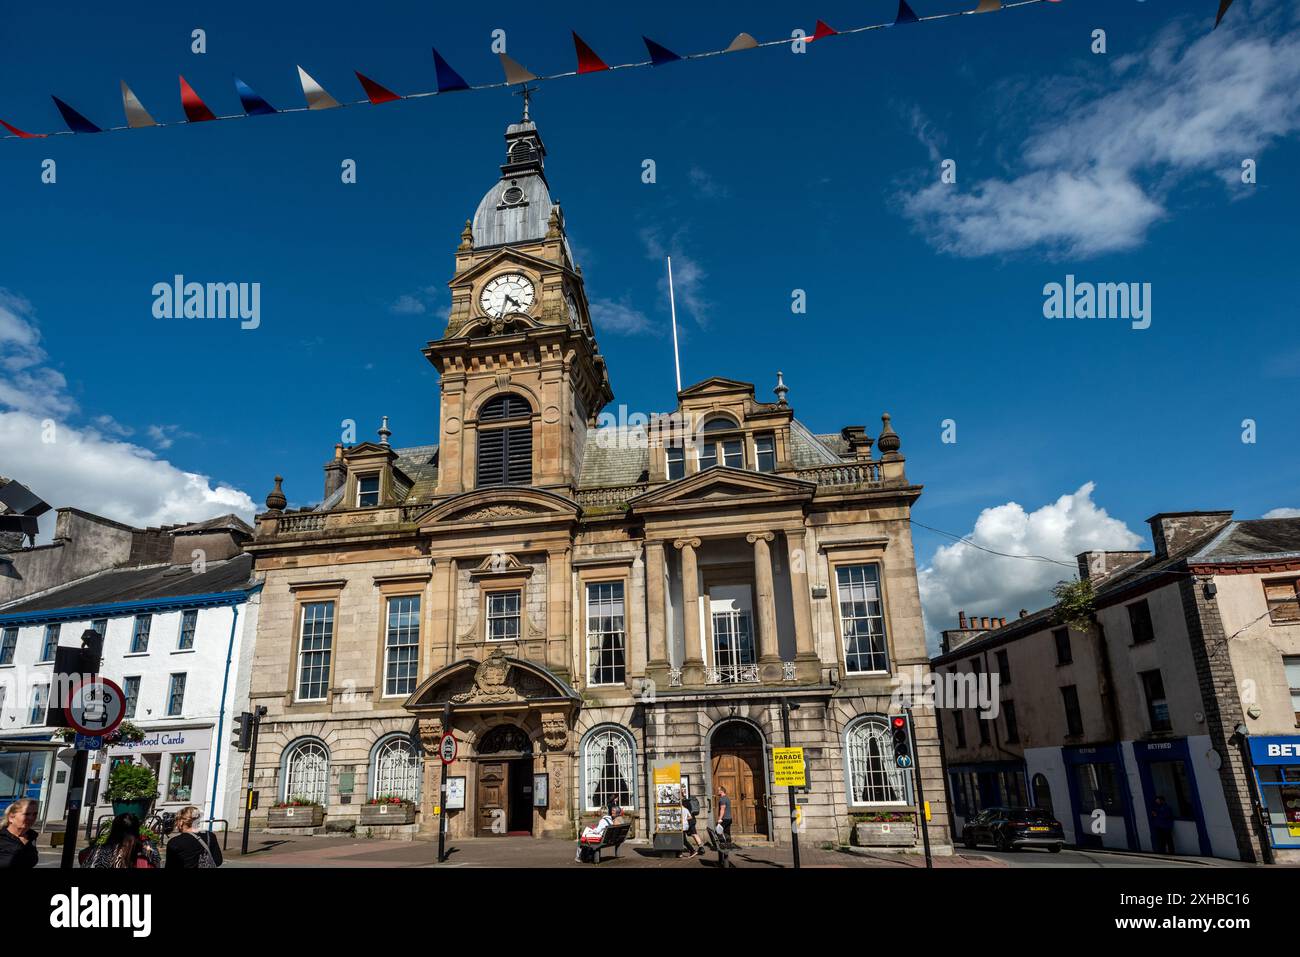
619,317
27,383
688,274
1097,174
705,184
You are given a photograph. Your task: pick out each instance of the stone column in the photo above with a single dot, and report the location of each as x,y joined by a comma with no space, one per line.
693,666
807,664
656,630
766,644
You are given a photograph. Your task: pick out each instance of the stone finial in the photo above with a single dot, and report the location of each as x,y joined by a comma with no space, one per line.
467,236
781,389
888,442
384,432
553,223
275,500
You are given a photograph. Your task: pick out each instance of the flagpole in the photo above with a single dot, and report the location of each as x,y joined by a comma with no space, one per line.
672,305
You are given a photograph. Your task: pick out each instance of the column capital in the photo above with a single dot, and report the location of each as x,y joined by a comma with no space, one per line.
755,537
686,543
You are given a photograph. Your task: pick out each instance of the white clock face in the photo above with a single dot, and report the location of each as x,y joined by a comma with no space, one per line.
508,293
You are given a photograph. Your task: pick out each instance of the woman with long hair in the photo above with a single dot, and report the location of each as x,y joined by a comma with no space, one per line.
125,847
17,838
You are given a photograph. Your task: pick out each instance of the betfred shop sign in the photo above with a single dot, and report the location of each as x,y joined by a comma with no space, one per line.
1275,750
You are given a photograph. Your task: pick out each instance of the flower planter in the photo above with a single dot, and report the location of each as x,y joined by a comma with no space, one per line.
312,815
139,807
885,833
377,815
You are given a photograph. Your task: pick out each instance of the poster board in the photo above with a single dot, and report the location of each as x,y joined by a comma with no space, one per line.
455,794
668,805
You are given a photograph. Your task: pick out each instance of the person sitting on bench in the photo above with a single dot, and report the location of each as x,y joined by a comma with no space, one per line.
592,836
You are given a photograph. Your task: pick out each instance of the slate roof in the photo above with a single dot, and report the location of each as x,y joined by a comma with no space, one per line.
620,457
1258,538
141,584
227,522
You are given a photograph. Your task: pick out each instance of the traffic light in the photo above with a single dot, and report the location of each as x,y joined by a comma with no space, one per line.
902,741
243,732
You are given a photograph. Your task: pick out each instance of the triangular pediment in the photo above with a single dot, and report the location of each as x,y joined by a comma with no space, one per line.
724,484
717,385
508,256
505,504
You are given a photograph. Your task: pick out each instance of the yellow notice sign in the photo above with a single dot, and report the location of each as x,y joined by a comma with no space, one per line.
787,768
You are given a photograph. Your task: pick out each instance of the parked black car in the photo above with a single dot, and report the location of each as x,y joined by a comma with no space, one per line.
1011,828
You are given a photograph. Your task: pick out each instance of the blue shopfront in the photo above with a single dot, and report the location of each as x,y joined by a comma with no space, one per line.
1099,797
1277,776
1166,770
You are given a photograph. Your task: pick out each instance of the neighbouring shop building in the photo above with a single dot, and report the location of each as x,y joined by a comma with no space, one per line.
177,639
1187,686
587,600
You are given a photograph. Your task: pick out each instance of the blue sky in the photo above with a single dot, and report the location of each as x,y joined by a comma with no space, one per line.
775,171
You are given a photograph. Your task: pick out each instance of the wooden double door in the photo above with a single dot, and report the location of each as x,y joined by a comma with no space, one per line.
737,765
505,797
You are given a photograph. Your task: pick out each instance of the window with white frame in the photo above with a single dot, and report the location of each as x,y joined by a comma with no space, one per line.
50,643
8,645
36,704
676,458
606,634
131,691
609,769
176,695
368,490
503,616
873,776
402,645
721,443
140,636
315,643
862,619
189,622
397,769
765,452
307,772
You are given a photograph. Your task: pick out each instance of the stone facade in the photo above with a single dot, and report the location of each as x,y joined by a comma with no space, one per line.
585,599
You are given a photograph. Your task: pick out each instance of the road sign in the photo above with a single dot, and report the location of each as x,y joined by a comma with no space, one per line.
88,742
447,748
96,706
788,768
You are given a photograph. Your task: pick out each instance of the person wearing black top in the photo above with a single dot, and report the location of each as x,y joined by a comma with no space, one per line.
191,848
17,838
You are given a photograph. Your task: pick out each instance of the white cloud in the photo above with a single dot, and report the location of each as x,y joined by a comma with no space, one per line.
619,317
1097,173
688,274
26,382
407,305
118,480
962,577
1282,513
705,184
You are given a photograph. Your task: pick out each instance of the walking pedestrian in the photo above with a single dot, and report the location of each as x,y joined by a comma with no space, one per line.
125,847
724,815
190,847
18,838
689,837
1162,826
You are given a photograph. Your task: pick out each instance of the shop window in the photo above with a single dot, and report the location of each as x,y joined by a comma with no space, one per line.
873,776
606,634
609,769
1098,785
862,619
1169,781
402,645
180,777
1043,794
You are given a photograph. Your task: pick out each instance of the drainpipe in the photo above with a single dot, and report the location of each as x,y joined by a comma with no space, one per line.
219,744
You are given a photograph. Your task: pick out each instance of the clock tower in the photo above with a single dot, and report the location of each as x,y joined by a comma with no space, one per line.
522,377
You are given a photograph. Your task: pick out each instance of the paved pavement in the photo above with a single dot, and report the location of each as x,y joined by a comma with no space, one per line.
1100,859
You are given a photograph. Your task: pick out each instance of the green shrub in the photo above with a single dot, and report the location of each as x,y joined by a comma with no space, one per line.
131,782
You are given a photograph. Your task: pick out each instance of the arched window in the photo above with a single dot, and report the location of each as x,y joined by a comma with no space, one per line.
1043,794
872,776
396,768
505,442
307,771
718,447
609,768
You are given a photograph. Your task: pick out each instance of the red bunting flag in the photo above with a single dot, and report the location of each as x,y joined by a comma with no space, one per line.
378,94
17,132
196,111
588,62
988,6
822,30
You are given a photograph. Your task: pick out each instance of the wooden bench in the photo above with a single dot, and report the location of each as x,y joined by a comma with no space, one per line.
613,837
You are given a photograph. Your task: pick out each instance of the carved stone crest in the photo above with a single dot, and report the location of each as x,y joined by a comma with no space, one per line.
490,681
555,731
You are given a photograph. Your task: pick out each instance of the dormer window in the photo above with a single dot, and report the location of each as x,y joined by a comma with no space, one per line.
765,452
505,442
721,445
368,490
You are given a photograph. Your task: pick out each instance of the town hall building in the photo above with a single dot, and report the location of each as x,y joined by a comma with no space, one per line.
586,602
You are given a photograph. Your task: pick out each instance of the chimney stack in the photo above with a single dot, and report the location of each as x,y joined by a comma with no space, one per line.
1173,531
336,471
961,619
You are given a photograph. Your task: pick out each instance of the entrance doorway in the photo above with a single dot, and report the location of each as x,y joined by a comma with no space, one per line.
736,760
505,783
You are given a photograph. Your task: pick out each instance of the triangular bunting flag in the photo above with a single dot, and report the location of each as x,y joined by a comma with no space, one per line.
136,115
822,30
1223,8
21,133
515,72
659,54
988,6
76,122
743,41
253,104
588,62
317,98
196,111
378,94
449,81
905,14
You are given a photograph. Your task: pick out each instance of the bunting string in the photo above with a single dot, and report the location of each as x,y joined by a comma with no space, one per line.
448,80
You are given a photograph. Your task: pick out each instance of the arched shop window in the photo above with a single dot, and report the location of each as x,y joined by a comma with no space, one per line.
609,768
